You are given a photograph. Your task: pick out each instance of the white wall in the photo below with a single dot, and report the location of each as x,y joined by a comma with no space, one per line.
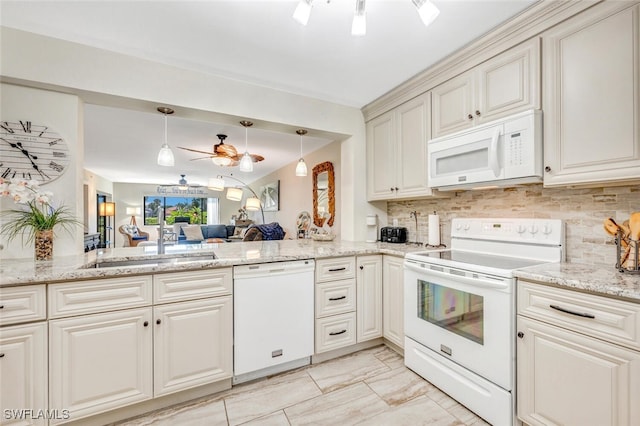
297,192
109,78
63,113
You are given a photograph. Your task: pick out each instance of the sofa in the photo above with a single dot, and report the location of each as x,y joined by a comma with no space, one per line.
196,234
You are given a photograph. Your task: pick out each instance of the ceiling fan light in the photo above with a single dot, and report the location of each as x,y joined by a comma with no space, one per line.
252,204
216,184
359,25
303,12
246,163
221,161
301,168
428,11
165,156
234,194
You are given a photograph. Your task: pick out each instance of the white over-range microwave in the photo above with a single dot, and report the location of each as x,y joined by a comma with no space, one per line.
500,153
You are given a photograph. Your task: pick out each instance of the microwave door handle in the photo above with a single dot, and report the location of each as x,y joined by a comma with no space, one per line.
494,164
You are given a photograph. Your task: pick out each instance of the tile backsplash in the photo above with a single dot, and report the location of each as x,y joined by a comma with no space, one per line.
582,210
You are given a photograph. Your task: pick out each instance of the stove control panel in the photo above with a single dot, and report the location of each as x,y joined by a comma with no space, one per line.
542,231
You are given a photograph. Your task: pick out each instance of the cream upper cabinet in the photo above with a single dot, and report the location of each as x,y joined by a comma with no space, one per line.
397,152
393,299
369,297
504,85
592,97
578,358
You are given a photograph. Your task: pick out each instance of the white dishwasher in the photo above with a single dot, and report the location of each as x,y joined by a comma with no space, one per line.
273,319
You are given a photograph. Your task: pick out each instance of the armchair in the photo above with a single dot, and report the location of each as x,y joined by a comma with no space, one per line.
133,235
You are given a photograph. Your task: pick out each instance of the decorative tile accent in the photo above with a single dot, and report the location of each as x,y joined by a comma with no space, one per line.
583,211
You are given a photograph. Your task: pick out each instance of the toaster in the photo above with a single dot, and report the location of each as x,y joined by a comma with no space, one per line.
393,234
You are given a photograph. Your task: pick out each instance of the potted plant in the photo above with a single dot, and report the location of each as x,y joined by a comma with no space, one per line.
37,220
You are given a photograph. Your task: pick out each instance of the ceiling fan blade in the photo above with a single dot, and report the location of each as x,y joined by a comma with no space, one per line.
202,158
256,157
212,154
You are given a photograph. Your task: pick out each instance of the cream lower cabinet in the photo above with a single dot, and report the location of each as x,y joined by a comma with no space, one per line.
192,344
23,375
101,362
393,299
505,84
397,166
369,297
569,370
592,97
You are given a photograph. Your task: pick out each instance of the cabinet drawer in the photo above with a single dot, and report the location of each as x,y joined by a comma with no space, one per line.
335,332
84,297
192,285
335,297
22,304
612,320
340,268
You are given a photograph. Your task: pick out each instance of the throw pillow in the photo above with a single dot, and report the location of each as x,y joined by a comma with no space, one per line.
193,232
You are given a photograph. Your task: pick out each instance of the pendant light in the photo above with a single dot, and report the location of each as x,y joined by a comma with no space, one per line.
303,11
246,162
359,25
428,11
301,167
165,156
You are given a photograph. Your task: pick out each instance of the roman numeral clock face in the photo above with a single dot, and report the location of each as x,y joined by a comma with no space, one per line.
31,151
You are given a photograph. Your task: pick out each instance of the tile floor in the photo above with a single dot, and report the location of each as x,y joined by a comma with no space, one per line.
371,387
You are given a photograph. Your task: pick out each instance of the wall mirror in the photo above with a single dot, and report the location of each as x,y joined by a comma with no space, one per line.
324,198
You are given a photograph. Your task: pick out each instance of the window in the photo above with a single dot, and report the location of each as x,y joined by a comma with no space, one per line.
181,209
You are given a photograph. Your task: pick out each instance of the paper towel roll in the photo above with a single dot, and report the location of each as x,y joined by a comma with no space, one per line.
372,219
434,230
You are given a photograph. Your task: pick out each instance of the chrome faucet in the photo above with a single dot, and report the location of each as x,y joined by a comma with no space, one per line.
161,231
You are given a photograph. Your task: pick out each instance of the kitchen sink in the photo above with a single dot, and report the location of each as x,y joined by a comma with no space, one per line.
150,262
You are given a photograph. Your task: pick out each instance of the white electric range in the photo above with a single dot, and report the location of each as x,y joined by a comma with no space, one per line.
460,308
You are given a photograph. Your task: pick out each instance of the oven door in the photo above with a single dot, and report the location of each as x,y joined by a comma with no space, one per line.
464,316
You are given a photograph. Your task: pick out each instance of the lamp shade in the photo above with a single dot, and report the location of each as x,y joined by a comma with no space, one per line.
165,156
428,11
107,209
234,194
253,204
216,184
133,211
246,163
301,168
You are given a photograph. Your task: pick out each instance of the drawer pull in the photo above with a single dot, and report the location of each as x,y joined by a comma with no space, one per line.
1,306
337,332
1,355
566,311
338,269
338,298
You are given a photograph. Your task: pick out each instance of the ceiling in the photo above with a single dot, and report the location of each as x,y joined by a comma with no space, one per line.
253,41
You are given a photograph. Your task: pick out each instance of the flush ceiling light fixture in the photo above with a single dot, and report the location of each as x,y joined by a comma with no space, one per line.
301,167
428,13
165,156
246,162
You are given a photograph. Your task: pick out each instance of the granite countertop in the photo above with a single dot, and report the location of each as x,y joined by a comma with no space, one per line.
603,280
82,266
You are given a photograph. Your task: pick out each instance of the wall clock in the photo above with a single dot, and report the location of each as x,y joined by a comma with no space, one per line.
31,151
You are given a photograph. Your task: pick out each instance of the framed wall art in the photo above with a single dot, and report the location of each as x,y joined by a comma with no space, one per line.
270,196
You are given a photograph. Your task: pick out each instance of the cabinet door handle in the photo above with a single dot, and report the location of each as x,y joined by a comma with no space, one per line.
567,311
338,298
337,332
337,269
520,334
158,321
146,323
547,169
470,117
477,113
391,189
361,267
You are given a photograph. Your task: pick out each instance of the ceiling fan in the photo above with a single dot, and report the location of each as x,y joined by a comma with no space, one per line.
223,154
183,184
